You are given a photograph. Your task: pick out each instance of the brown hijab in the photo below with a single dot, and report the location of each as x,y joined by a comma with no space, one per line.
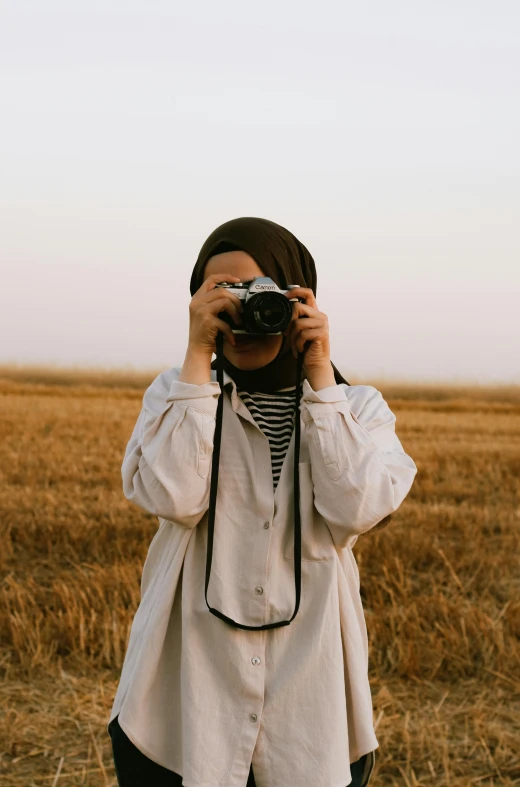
286,260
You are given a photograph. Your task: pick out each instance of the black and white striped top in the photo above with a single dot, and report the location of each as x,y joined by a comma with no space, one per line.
274,414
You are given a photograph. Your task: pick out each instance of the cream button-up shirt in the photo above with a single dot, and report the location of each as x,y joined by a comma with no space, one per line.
204,698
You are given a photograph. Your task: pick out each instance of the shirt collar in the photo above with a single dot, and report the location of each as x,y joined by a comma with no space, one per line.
236,402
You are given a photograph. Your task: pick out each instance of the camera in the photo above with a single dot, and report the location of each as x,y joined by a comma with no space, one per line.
266,310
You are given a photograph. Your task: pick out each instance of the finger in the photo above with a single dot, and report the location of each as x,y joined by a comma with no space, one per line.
216,278
302,292
304,308
303,323
223,304
226,330
220,292
308,336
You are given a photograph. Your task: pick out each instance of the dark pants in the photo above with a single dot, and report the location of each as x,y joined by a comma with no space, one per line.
134,769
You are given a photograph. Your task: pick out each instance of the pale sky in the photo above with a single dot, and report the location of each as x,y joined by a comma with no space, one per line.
383,134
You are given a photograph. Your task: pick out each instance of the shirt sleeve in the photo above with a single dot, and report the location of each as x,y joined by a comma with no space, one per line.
359,469
166,465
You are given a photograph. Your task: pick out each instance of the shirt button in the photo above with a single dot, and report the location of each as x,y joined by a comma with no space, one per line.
266,525
253,717
255,660
259,590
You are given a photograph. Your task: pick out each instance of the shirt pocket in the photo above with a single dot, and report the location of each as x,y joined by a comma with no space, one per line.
329,442
317,542
207,428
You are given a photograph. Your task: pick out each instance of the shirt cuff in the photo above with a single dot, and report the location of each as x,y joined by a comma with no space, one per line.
332,393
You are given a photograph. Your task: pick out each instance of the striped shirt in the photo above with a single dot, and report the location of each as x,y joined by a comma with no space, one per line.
274,414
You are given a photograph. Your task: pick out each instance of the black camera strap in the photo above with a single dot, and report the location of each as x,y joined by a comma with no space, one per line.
214,485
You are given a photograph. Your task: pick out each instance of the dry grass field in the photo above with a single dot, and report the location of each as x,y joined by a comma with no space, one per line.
440,584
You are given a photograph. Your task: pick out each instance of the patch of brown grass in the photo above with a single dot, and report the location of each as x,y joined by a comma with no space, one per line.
71,377
440,584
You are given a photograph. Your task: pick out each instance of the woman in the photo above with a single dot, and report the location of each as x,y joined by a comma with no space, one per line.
223,687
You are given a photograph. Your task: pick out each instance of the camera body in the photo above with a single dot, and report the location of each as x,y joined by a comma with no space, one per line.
266,309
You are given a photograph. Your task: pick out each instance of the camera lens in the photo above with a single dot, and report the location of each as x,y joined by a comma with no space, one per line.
267,312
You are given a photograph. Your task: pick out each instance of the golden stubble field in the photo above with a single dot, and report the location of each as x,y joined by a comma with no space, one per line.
440,584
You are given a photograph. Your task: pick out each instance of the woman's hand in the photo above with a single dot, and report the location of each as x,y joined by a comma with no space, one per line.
308,332
205,305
